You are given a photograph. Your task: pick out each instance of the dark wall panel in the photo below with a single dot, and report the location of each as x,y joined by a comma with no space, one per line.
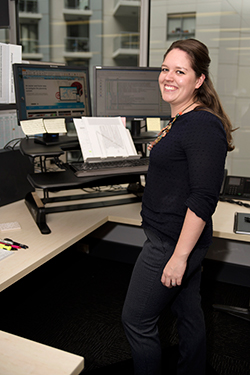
4,14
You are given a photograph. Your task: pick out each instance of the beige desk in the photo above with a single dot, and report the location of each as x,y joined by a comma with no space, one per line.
19,356
227,246
66,229
69,227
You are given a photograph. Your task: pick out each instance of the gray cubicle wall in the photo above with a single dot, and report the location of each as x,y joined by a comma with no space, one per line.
9,128
14,168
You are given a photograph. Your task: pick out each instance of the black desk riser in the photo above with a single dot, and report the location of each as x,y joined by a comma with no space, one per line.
66,180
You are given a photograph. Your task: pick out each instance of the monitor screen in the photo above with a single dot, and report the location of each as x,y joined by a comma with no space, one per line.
131,92
51,91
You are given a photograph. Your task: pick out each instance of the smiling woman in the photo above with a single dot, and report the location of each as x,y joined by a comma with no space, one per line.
183,183
178,81
204,93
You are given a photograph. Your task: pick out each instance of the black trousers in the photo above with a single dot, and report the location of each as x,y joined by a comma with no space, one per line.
147,297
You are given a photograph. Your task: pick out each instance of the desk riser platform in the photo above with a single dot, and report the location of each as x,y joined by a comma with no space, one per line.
38,210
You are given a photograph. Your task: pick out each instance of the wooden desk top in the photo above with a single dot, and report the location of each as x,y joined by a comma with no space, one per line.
66,229
223,221
69,227
19,356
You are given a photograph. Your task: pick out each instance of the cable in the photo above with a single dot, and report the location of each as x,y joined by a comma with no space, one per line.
100,189
239,203
11,147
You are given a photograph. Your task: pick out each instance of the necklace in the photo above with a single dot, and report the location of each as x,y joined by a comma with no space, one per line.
166,130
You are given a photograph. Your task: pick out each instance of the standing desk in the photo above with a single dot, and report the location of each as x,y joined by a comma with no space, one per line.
66,229
64,180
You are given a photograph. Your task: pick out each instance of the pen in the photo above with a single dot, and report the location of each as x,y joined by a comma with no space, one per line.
7,243
11,242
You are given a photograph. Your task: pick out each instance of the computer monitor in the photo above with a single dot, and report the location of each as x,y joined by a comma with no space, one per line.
131,92
51,91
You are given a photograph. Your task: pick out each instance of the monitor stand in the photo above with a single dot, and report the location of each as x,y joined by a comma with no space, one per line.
135,128
47,139
137,134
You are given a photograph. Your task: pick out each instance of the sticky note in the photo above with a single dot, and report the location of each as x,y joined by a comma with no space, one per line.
153,124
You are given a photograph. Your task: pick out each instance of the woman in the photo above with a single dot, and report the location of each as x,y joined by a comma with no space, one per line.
184,178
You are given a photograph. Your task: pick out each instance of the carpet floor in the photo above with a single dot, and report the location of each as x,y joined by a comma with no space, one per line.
74,303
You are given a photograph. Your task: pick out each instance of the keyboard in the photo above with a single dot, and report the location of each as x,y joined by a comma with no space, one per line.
106,168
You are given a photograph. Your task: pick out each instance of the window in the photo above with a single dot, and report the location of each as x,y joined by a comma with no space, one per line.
29,38
77,38
29,6
180,26
77,4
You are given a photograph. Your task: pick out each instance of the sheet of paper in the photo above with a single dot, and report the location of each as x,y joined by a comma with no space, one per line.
9,54
153,124
5,253
31,127
15,57
4,89
55,125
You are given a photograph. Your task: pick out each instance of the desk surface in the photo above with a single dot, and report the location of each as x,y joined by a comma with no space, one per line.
19,356
66,229
31,148
69,227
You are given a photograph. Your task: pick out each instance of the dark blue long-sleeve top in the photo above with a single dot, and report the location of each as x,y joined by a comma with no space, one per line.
185,171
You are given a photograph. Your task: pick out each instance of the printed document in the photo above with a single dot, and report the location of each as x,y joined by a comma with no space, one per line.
9,54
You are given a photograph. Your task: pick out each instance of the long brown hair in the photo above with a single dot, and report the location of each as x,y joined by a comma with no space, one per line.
206,94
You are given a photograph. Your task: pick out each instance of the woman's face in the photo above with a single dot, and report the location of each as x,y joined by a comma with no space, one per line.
178,80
